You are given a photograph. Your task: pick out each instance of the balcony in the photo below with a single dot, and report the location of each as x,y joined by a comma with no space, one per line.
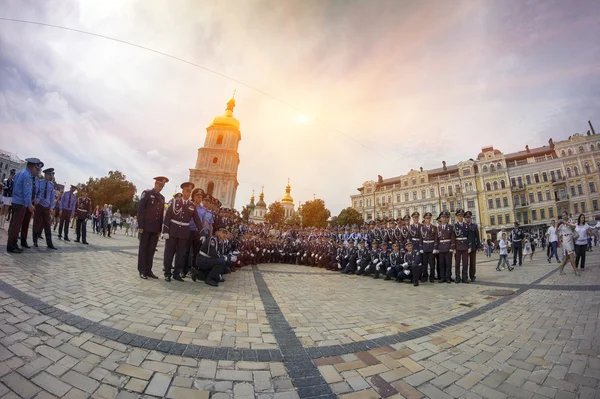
521,205
559,181
518,187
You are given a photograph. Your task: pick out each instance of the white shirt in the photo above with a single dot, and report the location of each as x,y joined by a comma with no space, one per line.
552,234
583,234
503,247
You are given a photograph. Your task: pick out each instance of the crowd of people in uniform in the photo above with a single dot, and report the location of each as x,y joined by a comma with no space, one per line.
29,194
205,241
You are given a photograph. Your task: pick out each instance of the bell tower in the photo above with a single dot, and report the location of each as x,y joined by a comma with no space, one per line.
218,160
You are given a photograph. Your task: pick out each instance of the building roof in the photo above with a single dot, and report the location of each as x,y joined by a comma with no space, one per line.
11,156
227,119
529,152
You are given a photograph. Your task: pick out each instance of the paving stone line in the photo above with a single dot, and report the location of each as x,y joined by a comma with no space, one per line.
305,376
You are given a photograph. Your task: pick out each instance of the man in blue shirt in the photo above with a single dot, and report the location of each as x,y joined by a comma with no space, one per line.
194,241
67,209
22,202
45,202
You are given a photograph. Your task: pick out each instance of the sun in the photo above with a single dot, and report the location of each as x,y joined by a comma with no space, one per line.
302,119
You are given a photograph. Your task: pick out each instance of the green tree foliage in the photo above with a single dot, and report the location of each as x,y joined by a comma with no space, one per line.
275,213
245,213
348,217
294,220
113,189
314,213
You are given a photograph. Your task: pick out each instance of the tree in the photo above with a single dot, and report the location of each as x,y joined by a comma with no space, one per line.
314,213
275,213
113,189
245,213
348,217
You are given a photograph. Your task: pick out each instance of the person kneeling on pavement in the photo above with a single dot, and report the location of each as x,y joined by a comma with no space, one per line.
210,264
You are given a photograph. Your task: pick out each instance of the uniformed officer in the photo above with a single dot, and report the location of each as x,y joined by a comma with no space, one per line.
412,261
23,197
45,202
461,232
517,236
446,247
363,258
429,247
395,263
351,257
67,209
83,210
150,217
474,244
210,264
384,260
194,241
176,230
414,230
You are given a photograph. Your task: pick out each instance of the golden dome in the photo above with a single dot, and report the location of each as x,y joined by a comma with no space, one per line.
261,200
227,119
287,198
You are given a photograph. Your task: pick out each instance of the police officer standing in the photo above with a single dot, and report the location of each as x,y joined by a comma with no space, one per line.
23,197
67,209
83,210
474,244
150,219
429,247
45,202
446,247
176,231
461,233
517,237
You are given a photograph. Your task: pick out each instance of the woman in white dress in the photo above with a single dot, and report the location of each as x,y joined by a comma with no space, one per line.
527,247
565,230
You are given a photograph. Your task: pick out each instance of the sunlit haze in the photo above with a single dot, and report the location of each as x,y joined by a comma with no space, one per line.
365,87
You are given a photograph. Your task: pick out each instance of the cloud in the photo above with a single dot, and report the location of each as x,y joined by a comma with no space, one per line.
388,88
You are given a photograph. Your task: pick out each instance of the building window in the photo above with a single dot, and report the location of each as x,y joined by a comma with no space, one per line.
389,199
360,203
495,185
490,204
356,204
551,212
369,190
552,175
210,188
397,197
570,152
563,153
569,172
576,207
559,174
544,176
542,214
378,201
499,165
488,186
507,218
470,204
575,170
523,201
592,148
220,139
595,204
573,191
215,160
450,191
369,216
540,197
425,208
405,183
422,180
516,200
432,193
466,172
433,209
531,198
451,206
580,148
423,194
520,181
528,179
536,178
583,207
444,207
406,197
414,195
414,181
548,195
378,215
505,201
442,191
500,219
588,169
513,182
492,220
502,184
534,215
579,189
592,187
485,168
498,202
492,168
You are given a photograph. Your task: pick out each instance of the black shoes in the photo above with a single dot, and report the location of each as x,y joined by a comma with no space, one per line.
51,247
142,275
66,239
416,283
35,244
86,243
77,241
168,279
151,275
15,250
212,283
25,245
465,280
387,278
178,278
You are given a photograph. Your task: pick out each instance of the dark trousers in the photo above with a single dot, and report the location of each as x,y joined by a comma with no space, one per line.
41,221
580,255
81,229
15,225
445,263
553,250
148,243
63,224
25,226
192,251
174,246
517,252
210,269
428,263
472,264
416,271
461,257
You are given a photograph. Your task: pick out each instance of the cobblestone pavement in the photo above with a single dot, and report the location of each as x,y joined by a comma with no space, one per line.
78,322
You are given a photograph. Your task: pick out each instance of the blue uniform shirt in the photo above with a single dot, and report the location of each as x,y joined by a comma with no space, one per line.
23,188
201,214
45,193
68,201
208,216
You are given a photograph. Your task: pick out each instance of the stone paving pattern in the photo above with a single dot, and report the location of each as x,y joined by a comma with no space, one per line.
541,342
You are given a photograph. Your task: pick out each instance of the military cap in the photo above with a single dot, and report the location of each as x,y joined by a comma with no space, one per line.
13,171
73,187
517,224
217,203
176,195
375,242
468,214
161,179
395,244
351,241
427,215
84,190
38,164
384,244
223,229
188,185
361,242
407,244
49,171
460,212
406,217
196,191
446,214
415,213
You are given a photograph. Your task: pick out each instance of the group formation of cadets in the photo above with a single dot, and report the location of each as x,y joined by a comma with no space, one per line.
33,198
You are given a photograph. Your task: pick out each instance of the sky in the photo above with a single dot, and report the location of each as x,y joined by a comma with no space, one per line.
332,93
